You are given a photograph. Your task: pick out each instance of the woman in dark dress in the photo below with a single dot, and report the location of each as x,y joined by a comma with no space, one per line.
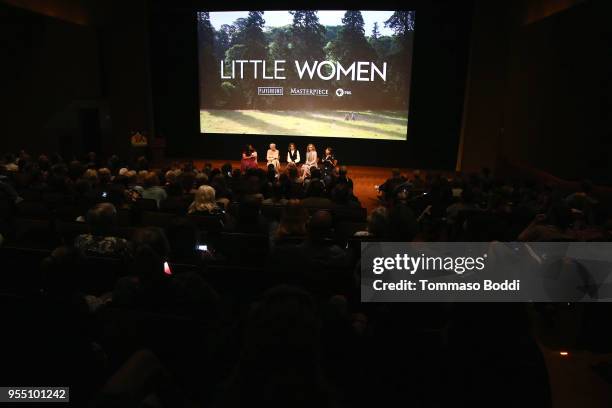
329,162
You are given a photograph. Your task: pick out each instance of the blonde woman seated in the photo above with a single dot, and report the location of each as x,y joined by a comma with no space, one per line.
204,202
273,156
311,160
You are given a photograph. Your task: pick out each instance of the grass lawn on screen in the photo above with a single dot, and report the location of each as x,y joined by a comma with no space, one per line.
389,125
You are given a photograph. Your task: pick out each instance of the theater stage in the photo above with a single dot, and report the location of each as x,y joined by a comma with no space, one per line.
364,178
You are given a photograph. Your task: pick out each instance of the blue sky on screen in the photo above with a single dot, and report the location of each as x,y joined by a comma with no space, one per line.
326,17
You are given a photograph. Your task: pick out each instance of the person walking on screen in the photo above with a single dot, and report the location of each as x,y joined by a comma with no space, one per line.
311,160
249,158
293,154
273,156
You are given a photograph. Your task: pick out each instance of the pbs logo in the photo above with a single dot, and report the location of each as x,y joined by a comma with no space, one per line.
342,92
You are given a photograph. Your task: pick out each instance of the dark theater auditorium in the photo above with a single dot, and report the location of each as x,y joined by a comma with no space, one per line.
353,205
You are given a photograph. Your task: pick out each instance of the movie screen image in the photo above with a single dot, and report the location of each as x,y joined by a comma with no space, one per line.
326,73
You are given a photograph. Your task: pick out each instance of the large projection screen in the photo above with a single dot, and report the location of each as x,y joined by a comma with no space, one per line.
323,73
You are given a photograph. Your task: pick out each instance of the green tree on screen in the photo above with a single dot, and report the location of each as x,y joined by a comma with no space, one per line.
375,32
279,47
206,55
249,32
307,35
223,40
307,42
248,43
351,44
402,24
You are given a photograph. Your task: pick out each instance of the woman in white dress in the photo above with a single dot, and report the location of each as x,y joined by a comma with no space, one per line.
311,160
272,156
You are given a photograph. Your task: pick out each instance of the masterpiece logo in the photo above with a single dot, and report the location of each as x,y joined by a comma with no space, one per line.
270,90
309,92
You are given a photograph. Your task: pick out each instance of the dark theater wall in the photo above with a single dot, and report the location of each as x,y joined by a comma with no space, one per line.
124,39
49,68
539,90
558,103
74,76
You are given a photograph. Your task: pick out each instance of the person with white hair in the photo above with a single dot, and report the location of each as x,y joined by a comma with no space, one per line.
273,156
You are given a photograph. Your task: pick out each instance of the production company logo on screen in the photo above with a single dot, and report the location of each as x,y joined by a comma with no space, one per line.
326,73
309,92
270,90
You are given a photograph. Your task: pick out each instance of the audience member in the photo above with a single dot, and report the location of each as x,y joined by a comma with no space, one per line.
152,189
293,221
204,202
101,241
378,224
553,226
166,278
390,185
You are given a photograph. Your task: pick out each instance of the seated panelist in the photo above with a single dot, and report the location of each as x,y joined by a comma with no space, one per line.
293,154
329,162
311,160
249,158
273,156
